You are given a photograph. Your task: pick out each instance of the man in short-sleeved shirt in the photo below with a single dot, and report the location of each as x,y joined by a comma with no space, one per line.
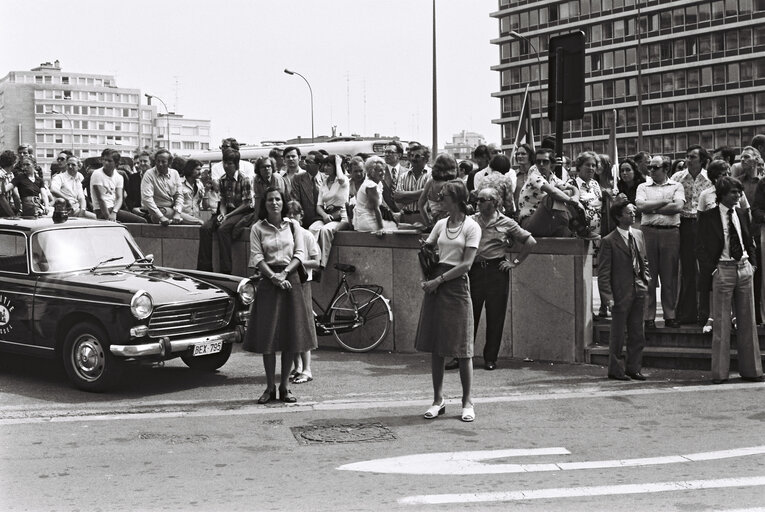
68,185
106,186
162,193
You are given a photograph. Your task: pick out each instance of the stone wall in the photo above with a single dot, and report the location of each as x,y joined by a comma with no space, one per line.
549,314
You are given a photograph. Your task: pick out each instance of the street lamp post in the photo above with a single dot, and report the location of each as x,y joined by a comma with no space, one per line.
71,125
167,113
519,37
309,90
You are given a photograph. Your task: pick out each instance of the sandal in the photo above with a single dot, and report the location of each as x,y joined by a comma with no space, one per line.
435,410
468,414
302,378
293,375
267,396
287,397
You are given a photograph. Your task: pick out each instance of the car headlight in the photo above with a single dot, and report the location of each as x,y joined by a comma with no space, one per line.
141,305
246,291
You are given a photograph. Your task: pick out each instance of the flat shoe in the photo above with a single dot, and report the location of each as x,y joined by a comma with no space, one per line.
468,414
435,411
267,396
287,397
302,378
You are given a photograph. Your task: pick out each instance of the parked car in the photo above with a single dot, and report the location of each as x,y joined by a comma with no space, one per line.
81,291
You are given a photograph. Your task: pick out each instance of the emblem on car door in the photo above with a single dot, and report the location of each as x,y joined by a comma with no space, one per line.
5,314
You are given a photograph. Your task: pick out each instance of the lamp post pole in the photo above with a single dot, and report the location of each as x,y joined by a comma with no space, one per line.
71,126
167,113
519,37
435,88
310,90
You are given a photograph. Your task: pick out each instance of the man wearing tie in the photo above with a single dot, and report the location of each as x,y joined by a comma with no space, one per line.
623,279
725,249
305,187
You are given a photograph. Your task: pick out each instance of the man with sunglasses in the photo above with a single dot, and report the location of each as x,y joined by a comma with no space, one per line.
548,205
68,186
60,164
661,202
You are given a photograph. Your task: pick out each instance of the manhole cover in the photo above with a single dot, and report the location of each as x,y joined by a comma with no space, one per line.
354,433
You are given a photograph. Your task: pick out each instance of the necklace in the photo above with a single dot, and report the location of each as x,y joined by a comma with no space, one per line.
455,231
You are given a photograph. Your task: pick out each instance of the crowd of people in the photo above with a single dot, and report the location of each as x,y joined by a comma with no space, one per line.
691,225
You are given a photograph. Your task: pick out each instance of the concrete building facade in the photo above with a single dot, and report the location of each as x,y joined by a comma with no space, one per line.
462,145
677,72
52,110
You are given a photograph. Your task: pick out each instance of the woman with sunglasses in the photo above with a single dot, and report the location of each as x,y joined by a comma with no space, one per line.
490,273
445,328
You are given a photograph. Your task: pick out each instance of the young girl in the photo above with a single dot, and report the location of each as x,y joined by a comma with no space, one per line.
302,372
444,169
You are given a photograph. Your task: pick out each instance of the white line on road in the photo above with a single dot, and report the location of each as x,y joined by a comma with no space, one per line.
470,463
574,492
141,410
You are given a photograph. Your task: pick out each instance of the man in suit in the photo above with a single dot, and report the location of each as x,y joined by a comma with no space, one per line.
623,282
305,187
725,249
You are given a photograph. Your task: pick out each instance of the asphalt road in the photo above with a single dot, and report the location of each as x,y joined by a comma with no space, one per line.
547,437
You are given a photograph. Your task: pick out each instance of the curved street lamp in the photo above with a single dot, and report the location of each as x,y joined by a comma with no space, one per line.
520,37
167,113
71,125
309,90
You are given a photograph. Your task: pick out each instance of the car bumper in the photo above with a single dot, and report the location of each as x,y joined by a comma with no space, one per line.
167,346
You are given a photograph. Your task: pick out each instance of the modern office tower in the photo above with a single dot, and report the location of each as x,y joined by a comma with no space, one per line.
52,110
677,73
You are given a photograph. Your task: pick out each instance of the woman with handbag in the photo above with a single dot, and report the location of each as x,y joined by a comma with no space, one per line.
281,319
445,328
330,210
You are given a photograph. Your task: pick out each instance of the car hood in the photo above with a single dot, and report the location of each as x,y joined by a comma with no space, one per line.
164,286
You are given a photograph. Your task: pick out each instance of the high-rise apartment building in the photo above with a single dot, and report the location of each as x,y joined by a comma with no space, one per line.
463,144
53,110
677,72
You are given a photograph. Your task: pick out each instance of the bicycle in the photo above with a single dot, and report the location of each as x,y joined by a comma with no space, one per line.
359,317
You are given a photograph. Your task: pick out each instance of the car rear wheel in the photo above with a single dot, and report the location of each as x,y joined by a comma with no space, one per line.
210,362
87,360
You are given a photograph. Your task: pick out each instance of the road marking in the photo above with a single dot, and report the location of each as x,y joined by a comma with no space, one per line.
469,463
575,492
26,414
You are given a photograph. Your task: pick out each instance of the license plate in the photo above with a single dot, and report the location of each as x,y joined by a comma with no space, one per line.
212,347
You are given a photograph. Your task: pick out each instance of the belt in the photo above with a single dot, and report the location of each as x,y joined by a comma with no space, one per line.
486,263
733,263
659,227
407,210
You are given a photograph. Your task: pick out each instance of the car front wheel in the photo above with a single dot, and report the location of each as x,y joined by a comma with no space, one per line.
210,362
87,359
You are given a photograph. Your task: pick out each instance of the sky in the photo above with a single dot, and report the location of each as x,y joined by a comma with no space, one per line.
368,62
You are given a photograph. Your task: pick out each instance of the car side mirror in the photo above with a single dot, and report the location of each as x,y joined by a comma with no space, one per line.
149,258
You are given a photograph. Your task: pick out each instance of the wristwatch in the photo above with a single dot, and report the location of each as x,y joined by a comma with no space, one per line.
516,261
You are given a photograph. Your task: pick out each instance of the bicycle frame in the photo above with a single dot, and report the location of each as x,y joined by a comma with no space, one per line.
322,322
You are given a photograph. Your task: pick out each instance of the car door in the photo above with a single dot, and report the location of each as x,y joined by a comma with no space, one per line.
17,287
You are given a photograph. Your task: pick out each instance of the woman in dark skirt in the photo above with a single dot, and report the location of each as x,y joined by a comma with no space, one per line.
281,320
446,318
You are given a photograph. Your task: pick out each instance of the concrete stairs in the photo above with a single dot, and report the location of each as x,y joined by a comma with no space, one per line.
683,348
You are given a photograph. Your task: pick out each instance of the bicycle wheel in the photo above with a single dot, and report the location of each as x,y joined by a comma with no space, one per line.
374,315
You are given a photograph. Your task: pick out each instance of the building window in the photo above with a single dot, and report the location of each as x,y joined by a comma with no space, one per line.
176,145
38,79
189,145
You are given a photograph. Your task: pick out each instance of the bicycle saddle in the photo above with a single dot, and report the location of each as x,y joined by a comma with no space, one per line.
342,267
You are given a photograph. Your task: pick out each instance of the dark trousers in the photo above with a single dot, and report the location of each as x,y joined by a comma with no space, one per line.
6,210
125,217
629,316
555,219
490,286
224,231
687,310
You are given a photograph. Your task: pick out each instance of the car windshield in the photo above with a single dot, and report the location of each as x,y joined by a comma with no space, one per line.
66,250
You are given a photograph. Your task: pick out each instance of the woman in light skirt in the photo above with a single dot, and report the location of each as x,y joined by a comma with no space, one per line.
445,328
